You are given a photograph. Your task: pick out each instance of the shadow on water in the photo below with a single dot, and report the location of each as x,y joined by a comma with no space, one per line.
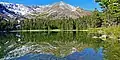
43,45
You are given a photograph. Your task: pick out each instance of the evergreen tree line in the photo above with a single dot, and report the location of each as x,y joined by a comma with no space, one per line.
62,24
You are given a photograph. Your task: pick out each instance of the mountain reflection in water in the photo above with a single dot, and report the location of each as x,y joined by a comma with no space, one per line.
50,46
86,54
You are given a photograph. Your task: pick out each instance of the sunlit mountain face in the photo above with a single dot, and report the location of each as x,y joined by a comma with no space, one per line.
55,10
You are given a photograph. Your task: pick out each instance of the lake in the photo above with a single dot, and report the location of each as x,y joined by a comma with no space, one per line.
51,45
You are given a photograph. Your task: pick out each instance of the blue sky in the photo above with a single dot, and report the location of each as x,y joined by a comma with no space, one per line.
85,4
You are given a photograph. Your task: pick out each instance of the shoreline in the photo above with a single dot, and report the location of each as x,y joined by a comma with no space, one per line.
43,30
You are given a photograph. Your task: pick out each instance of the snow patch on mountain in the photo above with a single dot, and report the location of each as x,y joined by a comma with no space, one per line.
17,8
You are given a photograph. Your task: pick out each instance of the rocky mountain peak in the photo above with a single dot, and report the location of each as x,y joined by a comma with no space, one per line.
61,3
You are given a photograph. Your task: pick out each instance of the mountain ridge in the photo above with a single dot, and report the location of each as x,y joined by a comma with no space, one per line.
55,10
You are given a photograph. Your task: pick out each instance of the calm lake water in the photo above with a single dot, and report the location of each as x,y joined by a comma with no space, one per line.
58,45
